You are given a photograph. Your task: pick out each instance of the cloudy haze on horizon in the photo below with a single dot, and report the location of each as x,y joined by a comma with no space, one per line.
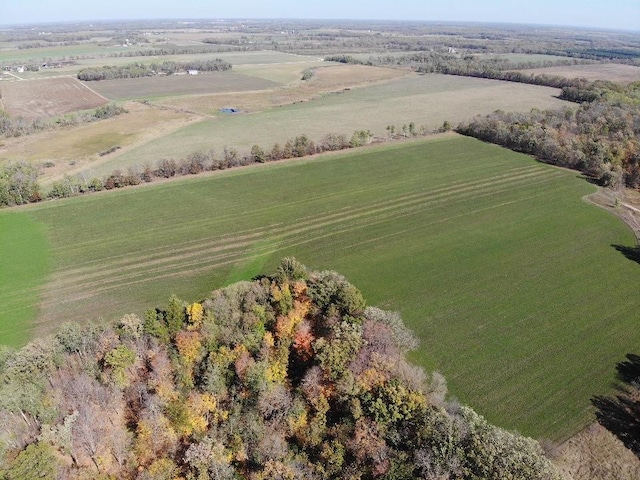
618,14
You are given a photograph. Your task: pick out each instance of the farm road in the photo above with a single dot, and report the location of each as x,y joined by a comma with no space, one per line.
13,75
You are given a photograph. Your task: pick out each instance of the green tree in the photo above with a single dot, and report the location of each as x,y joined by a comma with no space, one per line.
18,184
258,155
36,462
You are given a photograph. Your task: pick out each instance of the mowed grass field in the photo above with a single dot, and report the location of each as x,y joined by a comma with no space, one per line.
171,85
510,279
423,99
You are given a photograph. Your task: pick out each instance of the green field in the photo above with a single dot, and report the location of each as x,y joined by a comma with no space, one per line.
510,279
423,99
24,264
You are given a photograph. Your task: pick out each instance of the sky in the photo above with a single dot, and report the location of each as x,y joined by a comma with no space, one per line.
609,14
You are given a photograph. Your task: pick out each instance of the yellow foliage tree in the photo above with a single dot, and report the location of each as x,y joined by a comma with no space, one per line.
189,346
195,314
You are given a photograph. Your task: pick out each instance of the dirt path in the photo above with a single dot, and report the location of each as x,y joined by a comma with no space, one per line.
93,91
15,76
618,204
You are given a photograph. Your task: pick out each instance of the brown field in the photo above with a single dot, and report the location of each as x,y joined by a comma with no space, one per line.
74,149
172,85
326,79
48,97
604,71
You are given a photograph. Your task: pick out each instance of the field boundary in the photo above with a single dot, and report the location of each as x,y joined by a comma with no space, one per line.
91,89
612,202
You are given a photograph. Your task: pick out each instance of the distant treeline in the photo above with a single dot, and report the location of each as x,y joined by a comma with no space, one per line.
169,50
600,138
471,66
137,70
19,126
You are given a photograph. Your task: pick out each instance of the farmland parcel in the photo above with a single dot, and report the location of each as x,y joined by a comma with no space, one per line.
494,260
47,98
426,100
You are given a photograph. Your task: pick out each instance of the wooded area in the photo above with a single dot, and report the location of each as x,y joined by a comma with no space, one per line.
288,376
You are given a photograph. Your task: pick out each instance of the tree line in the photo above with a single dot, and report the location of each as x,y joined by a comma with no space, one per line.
168,50
599,138
468,65
137,70
195,163
199,162
290,376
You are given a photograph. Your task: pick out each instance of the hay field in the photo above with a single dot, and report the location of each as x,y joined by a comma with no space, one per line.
48,98
423,99
172,85
604,71
508,277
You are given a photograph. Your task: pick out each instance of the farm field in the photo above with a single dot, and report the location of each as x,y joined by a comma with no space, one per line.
603,71
234,58
507,275
57,52
47,98
426,100
75,149
328,78
528,57
24,266
172,85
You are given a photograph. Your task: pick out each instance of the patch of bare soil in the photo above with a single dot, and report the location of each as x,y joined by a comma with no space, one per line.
596,454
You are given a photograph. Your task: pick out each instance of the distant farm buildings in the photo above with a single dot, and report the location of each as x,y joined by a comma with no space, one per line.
192,72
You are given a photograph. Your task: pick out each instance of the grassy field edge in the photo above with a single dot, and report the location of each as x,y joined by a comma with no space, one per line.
24,264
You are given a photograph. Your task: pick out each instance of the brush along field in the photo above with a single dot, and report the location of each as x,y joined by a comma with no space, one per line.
605,71
510,279
426,100
48,97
